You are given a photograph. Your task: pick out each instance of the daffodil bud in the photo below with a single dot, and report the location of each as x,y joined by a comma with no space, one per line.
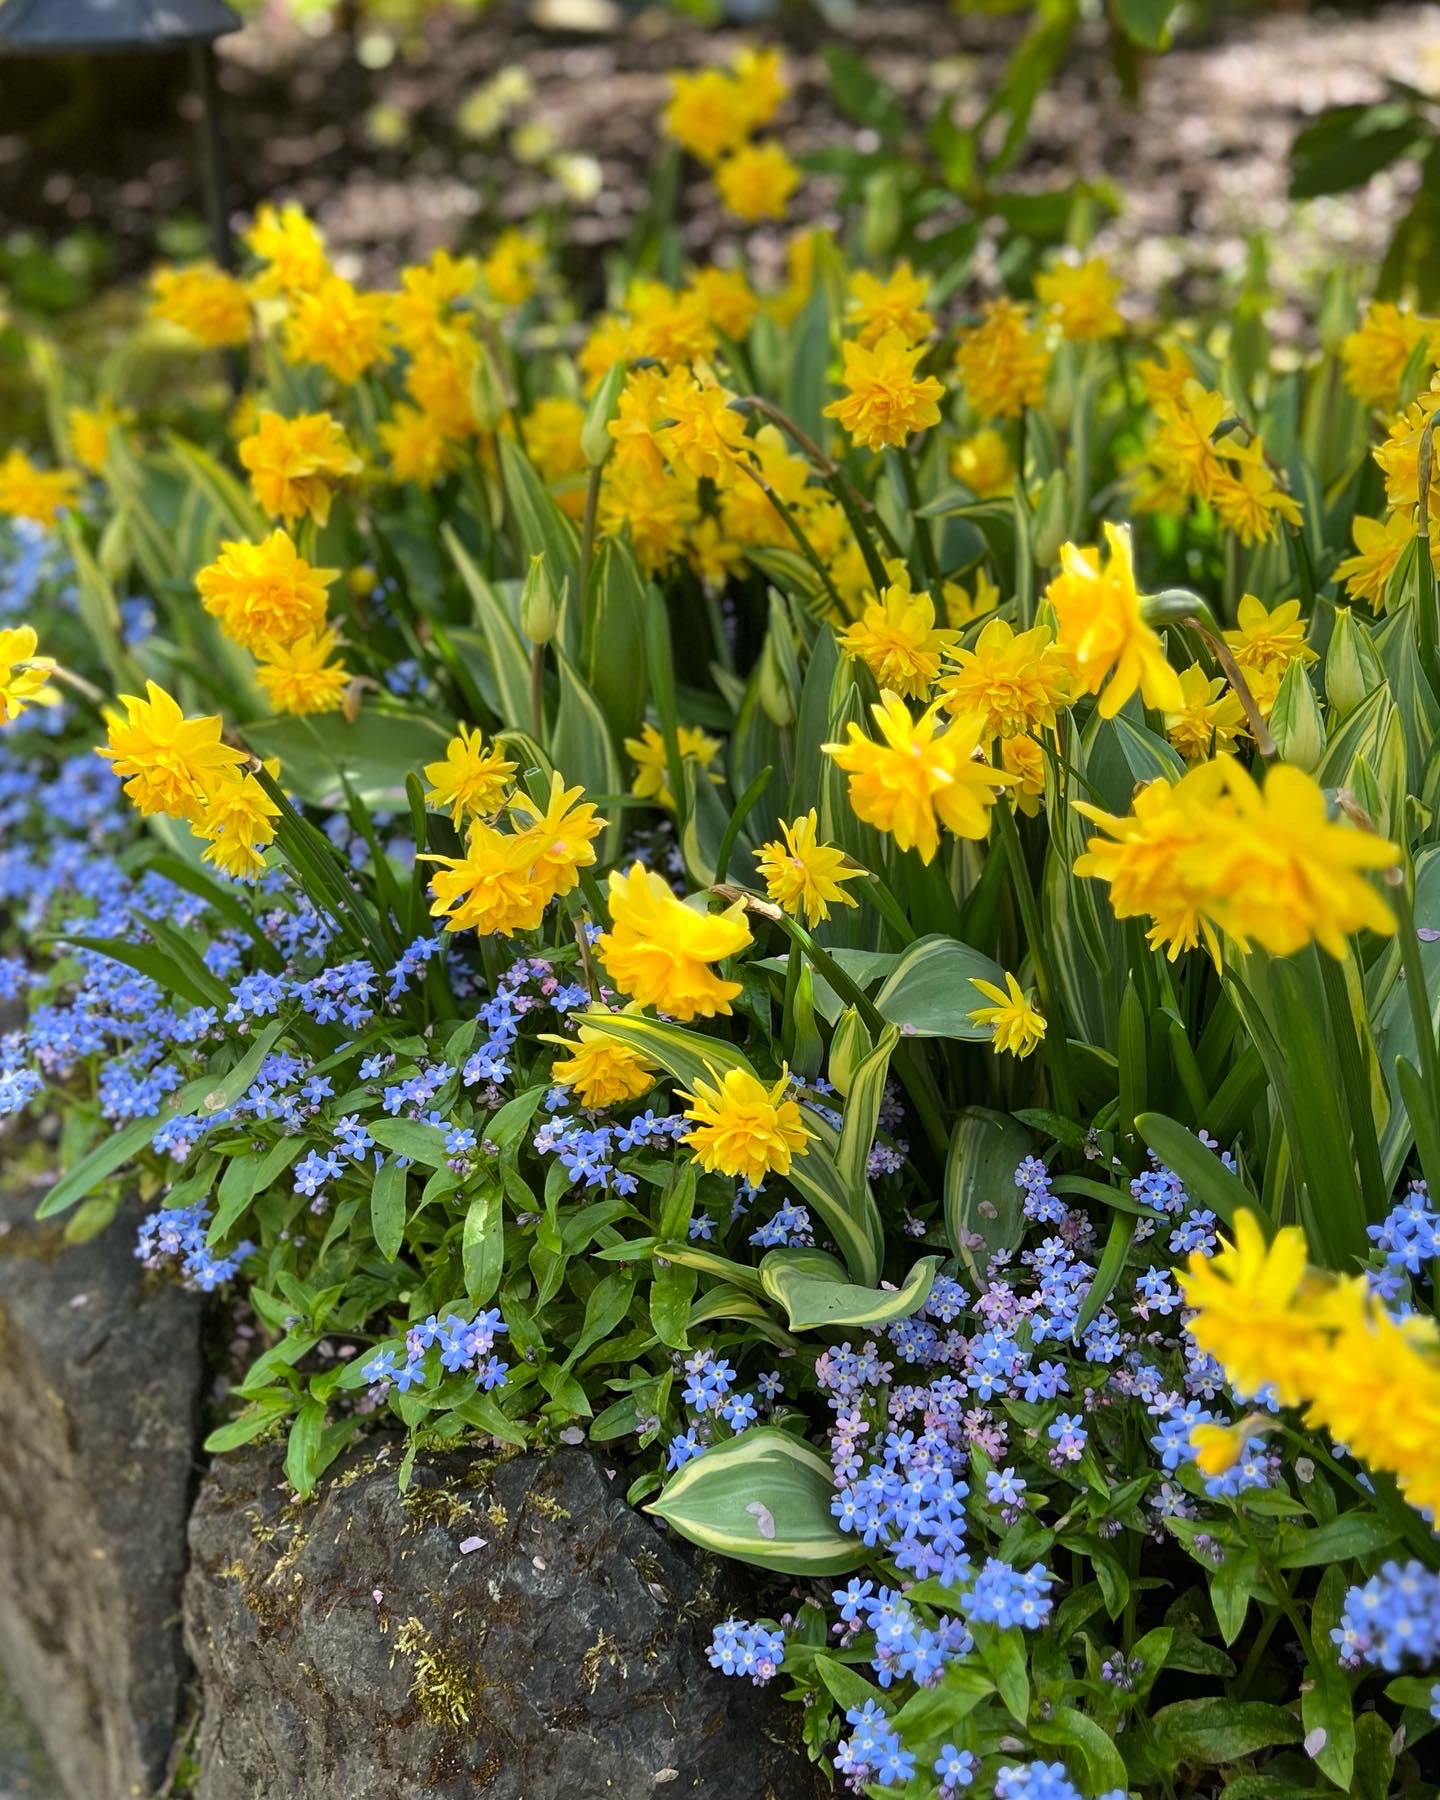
880,221
1295,721
1352,667
595,438
113,554
776,699
539,615
848,1049
1049,529
488,399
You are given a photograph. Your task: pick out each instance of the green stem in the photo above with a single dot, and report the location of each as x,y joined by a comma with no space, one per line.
587,534
1054,1044
537,692
1415,991
792,525
923,539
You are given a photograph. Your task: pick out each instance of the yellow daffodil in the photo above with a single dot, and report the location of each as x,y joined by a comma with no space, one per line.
802,874
168,763
1265,635
982,462
886,401
756,181
24,675
1011,681
1002,362
1379,545
295,464
1082,297
600,1069
1209,721
204,301
299,678
338,328
1100,630
1376,353
28,492
470,781
897,639
661,952
918,778
1016,1024
877,307
264,593
652,769
743,1128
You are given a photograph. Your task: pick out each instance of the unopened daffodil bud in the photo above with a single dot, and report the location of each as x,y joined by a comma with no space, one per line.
539,615
1352,666
848,1049
1295,721
595,438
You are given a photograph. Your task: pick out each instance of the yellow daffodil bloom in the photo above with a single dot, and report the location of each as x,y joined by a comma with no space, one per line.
1016,1024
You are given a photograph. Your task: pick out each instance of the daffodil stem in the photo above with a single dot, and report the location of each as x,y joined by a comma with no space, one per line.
587,535
537,692
1220,650
924,542
792,525
1054,1043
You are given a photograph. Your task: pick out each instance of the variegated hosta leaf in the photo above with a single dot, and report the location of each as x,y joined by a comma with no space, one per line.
814,1292
928,992
762,1498
982,1203
686,1056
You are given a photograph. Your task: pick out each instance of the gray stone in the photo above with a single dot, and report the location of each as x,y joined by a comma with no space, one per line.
98,1419
507,1629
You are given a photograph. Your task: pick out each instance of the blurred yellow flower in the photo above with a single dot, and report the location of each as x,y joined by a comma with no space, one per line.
743,1128
756,181
264,592
1244,1298
802,874
760,75
877,307
708,113
897,640
337,327
24,675
295,464
417,449
886,401
511,271
291,248
983,463
89,430
1082,298
299,678
727,299
652,771
918,778
1376,353
1003,361
1248,498
1379,545
660,951
1016,1024
658,511
962,607
1399,455
203,300
28,492
1100,630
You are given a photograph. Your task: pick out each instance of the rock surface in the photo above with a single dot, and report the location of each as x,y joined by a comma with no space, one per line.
508,1629
98,1419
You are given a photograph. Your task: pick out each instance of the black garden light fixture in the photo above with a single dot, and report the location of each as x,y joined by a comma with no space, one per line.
85,27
